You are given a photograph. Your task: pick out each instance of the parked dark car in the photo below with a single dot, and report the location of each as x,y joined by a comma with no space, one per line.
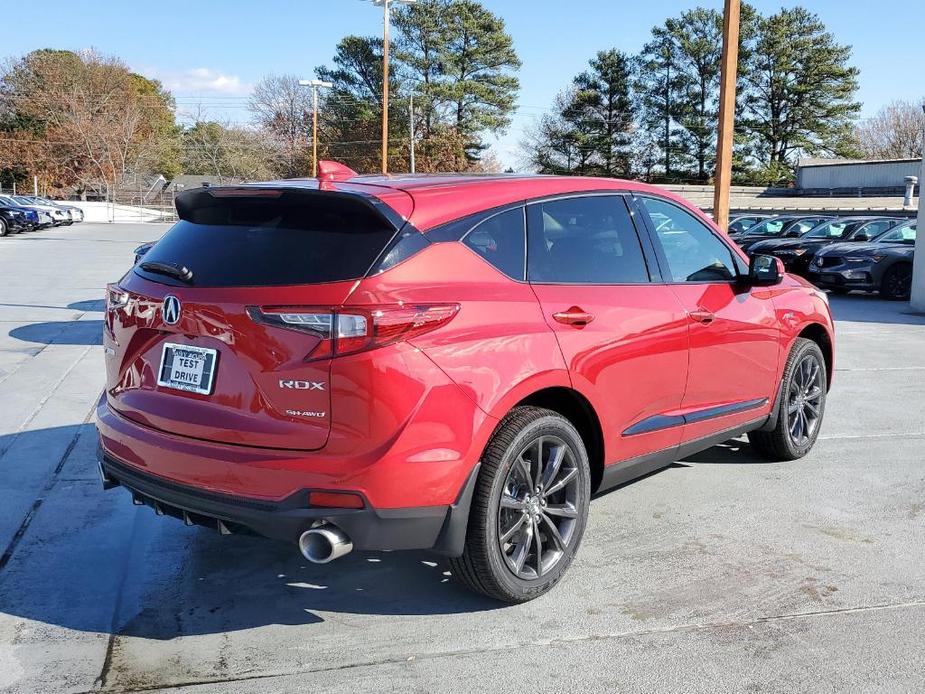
43,217
59,216
796,253
142,249
74,213
35,218
884,264
782,226
740,223
13,220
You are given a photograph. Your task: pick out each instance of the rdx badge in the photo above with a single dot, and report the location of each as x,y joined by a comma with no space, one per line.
301,385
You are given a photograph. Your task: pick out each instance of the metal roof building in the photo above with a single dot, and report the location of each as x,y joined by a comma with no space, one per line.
850,176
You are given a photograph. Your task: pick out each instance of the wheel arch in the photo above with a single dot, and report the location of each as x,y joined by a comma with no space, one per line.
818,334
576,408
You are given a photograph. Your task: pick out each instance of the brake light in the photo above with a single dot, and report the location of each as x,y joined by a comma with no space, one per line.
351,330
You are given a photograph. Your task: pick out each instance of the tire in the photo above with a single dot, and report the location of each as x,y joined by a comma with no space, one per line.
487,565
4,228
802,392
840,291
896,284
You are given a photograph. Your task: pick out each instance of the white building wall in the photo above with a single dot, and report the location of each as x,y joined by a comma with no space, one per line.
878,174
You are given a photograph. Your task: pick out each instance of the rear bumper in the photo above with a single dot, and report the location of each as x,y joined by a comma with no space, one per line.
437,528
265,491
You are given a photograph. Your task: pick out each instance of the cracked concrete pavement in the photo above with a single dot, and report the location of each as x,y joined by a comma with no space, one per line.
720,573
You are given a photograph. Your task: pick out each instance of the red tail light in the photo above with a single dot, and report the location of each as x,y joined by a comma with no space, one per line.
351,330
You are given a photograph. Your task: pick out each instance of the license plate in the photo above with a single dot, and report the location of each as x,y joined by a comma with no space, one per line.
184,367
830,278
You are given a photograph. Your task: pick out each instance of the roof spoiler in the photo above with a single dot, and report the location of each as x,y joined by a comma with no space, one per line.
194,204
334,171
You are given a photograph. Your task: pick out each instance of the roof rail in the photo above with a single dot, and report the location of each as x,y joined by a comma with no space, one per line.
334,171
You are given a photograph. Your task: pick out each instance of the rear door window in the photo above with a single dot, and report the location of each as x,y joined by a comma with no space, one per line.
584,240
292,237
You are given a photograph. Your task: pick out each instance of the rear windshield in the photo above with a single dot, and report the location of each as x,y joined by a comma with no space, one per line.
295,238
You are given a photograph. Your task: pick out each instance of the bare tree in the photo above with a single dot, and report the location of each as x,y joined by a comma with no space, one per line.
894,133
227,151
283,110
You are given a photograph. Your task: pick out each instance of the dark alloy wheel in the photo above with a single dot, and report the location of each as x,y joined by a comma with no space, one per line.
529,508
538,510
807,390
800,405
897,282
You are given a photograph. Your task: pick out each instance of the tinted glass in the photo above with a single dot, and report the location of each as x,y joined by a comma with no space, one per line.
831,230
694,253
769,227
741,225
874,229
252,241
500,240
802,226
584,240
901,234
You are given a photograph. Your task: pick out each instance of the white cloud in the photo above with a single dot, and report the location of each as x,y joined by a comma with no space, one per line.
200,80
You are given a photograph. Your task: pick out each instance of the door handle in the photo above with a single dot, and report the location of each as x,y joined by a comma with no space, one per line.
574,316
702,316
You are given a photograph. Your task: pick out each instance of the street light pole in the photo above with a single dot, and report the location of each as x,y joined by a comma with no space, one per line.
386,4
411,128
918,263
727,104
315,85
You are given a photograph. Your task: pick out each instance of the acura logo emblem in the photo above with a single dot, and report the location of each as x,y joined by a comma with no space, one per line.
171,309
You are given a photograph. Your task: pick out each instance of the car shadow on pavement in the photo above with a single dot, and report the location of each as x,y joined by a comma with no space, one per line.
868,308
238,583
89,560
72,332
93,305
67,332
731,452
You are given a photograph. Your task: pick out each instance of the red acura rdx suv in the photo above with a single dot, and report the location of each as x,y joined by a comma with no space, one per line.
453,363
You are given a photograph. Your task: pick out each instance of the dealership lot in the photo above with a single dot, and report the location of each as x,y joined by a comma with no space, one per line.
723,572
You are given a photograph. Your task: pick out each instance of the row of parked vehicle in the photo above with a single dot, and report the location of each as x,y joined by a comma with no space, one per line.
841,254
20,213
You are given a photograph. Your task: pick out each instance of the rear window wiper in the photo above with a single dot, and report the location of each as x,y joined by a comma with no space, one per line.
175,270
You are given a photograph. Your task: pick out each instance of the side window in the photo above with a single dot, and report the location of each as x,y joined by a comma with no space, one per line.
874,229
584,240
693,252
500,241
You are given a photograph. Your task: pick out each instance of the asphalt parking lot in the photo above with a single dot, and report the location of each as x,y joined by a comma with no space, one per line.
720,573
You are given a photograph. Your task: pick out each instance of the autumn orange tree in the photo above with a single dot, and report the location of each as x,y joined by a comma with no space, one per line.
84,121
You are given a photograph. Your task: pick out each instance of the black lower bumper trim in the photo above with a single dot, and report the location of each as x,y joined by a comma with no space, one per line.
438,528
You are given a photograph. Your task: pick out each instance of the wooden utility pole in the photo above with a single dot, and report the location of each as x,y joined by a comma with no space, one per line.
385,87
727,107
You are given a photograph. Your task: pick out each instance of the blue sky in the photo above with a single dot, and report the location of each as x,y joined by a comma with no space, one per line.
210,52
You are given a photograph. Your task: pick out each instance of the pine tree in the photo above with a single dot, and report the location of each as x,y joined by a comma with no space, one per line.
800,90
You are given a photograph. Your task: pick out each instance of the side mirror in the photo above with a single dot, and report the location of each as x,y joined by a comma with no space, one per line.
765,271
862,237
793,234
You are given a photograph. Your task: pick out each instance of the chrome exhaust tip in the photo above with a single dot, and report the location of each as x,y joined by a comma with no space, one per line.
324,543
